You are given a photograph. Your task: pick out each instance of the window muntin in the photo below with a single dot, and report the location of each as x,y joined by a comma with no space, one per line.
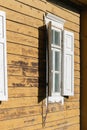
56,60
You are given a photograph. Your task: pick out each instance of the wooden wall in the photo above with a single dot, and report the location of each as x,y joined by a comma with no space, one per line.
84,69
26,109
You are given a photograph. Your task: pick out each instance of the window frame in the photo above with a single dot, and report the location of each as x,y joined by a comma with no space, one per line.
56,48
67,86
3,59
57,23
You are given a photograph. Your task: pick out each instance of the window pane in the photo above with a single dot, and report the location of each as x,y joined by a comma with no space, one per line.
52,37
57,61
52,81
52,59
57,38
57,86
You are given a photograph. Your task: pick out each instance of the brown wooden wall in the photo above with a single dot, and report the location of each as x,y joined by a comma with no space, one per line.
84,69
26,109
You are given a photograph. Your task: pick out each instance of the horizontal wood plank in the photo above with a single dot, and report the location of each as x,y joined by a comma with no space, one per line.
39,5
22,18
20,112
32,120
22,50
77,66
60,12
20,102
21,8
23,61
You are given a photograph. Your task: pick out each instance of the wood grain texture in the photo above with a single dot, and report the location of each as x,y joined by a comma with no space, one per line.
34,4
61,11
26,108
21,8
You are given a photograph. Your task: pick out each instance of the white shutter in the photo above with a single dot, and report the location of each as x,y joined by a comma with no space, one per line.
3,63
68,64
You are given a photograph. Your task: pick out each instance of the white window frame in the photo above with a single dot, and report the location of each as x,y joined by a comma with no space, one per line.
3,58
57,24
56,48
67,60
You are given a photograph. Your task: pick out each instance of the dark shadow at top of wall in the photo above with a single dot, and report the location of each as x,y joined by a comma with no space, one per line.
67,4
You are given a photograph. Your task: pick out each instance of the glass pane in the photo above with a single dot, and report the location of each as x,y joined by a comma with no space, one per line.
52,59
52,80
52,37
57,38
57,86
57,61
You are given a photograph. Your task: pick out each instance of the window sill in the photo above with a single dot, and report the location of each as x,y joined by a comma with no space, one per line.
55,99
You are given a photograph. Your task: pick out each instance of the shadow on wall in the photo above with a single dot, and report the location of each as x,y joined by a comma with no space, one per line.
68,4
42,64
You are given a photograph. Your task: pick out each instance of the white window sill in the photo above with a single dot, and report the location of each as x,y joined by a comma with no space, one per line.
55,99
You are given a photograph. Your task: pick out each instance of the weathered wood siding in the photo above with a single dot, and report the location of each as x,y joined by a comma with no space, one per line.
26,109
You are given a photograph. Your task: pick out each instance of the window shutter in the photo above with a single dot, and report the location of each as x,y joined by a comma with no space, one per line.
68,64
3,63
48,60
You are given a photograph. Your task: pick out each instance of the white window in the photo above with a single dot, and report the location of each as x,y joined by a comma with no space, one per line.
59,59
56,60
3,63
